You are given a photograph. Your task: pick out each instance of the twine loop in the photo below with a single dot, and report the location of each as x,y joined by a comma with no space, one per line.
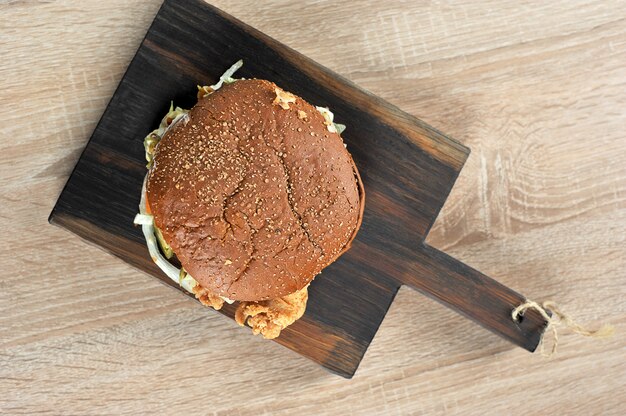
558,318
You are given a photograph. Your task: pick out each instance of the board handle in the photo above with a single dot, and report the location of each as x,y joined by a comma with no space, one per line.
471,293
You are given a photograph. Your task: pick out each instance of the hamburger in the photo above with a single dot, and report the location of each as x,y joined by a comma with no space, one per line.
249,195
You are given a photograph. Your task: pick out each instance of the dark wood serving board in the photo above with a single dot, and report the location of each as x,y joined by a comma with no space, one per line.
408,169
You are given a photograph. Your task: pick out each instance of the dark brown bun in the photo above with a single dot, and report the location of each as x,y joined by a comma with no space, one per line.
255,199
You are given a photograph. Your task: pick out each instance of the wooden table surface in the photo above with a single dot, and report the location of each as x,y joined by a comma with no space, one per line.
536,89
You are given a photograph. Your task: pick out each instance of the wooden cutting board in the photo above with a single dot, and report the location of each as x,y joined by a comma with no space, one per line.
408,169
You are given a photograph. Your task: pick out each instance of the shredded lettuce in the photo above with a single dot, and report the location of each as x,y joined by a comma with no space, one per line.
328,119
187,283
165,248
141,219
339,127
227,77
173,116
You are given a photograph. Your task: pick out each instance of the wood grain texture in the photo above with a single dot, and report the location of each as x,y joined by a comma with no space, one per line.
535,89
407,167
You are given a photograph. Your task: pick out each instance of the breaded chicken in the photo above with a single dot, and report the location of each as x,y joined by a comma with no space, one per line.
269,317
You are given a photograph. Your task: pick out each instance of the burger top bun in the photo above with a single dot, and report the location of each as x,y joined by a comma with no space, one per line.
253,192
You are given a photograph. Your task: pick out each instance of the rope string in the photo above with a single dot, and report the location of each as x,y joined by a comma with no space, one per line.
558,318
